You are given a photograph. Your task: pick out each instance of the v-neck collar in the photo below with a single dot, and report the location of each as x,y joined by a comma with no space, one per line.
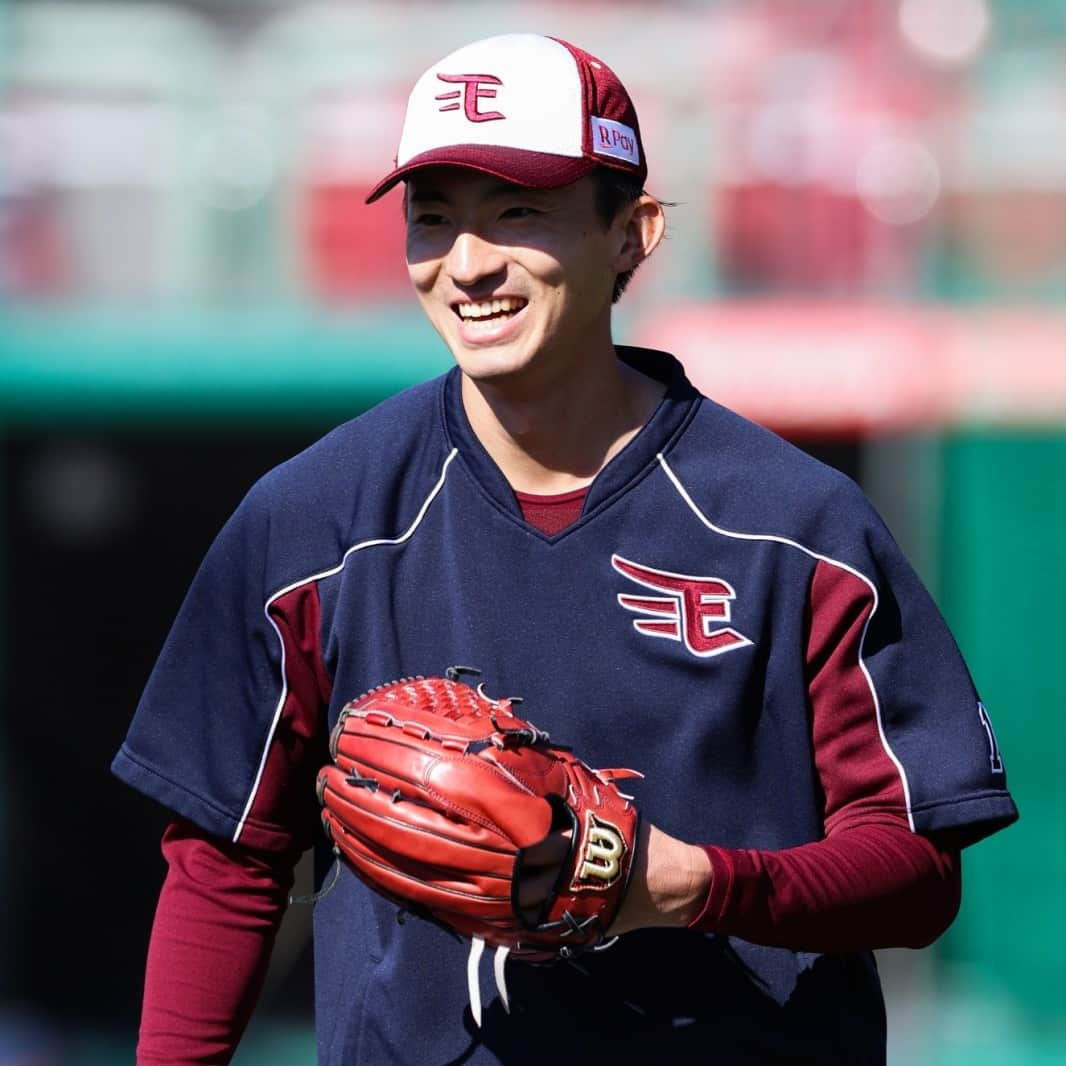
675,409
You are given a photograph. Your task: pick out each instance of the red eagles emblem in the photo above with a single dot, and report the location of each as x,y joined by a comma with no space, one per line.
691,611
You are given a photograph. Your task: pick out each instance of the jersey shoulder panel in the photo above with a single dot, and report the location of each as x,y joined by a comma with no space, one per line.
243,665
366,478
747,479
341,459
748,486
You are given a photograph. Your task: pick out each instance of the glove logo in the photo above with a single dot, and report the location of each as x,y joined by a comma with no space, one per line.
601,855
689,613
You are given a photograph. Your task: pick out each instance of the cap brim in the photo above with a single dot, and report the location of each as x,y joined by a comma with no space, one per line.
534,170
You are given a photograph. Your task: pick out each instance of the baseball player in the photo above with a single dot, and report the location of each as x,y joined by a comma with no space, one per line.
669,588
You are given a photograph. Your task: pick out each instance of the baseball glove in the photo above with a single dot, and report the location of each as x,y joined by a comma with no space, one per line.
437,791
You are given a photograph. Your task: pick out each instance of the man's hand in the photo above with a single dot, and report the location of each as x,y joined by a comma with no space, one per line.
435,796
667,888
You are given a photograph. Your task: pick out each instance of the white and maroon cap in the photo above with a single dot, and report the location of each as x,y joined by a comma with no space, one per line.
533,110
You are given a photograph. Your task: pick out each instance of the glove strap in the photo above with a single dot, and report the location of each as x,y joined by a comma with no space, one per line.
499,963
473,966
473,986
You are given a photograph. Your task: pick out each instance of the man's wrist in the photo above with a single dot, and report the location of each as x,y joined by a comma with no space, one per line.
669,884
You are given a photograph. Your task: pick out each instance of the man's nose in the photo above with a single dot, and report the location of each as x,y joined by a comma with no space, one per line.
472,258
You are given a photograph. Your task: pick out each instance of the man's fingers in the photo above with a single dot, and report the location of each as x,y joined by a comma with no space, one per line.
540,870
551,851
535,888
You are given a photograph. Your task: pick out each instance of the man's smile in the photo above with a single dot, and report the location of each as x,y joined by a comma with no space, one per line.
500,307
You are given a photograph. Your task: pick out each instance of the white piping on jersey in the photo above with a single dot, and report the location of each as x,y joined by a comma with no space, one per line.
306,581
832,562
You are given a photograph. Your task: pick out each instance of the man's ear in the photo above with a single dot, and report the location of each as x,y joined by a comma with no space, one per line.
643,224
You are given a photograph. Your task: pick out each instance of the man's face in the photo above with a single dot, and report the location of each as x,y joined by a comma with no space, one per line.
516,281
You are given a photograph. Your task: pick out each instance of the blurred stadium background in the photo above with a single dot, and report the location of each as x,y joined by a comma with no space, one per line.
868,253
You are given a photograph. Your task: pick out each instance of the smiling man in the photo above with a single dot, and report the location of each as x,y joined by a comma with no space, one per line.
668,586
519,283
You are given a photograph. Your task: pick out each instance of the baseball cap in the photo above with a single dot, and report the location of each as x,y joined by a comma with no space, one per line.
534,110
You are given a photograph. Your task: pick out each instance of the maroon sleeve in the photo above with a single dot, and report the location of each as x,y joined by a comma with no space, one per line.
218,913
861,780
866,887
283,810
872,882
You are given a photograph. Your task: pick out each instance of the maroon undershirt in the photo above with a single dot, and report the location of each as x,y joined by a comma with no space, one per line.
552,514
864,887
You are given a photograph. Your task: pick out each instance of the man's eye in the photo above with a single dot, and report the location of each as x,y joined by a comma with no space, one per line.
427,218
519,212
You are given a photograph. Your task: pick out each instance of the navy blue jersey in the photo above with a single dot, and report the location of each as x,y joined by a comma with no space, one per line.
728,616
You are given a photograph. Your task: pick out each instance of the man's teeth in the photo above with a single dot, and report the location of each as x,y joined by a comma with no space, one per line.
490,307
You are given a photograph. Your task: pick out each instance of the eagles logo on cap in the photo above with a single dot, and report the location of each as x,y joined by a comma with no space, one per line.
533,110
475,86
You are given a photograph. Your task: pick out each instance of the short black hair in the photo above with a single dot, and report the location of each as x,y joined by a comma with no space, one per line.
614,190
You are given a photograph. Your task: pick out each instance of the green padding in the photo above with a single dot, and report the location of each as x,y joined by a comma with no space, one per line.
286,366
1004,592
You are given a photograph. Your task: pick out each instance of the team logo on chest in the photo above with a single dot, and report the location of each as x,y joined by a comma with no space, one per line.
692,611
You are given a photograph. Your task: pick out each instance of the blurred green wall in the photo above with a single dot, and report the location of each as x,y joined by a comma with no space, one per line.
1003,589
